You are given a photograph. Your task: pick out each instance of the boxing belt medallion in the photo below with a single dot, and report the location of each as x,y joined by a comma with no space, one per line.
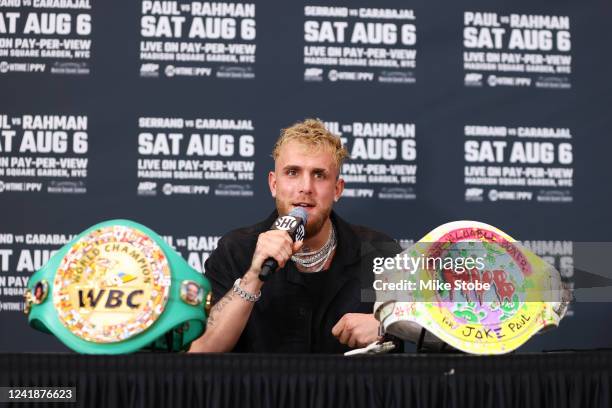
118,287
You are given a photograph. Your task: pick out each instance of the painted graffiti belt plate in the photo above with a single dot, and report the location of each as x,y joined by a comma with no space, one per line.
473,287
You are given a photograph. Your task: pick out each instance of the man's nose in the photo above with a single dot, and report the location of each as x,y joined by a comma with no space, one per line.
306,184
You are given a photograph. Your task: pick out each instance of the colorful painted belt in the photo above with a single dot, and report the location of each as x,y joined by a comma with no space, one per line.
118,287
471,286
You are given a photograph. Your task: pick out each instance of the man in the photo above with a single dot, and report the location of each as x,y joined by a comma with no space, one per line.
193,294
312,303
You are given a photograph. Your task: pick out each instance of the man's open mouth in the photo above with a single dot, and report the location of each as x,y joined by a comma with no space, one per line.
303,205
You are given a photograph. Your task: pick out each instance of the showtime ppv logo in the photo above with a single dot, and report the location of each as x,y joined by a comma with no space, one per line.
171,71
21,67
19,186
495,195
494,80
169,189
334,76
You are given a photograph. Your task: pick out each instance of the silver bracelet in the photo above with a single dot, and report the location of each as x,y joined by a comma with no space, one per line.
244,294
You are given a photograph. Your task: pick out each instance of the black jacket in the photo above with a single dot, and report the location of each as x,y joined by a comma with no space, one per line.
297,311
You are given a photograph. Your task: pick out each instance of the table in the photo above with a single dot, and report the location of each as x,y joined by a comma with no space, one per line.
560,379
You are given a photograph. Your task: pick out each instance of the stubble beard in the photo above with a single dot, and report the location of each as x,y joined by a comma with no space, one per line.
313,226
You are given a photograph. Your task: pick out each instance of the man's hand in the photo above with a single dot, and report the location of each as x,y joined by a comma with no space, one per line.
275,244
356,329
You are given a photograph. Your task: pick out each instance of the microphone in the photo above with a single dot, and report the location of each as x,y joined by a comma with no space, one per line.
295,224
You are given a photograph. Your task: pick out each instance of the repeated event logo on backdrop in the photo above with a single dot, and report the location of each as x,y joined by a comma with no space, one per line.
518,164
197,39
43,153
517,50
359,44
45,36
202,156
21,254
382,161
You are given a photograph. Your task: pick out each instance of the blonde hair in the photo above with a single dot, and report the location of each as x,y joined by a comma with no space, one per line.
313,134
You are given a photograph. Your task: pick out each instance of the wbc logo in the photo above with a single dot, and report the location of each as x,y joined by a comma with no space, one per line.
113,284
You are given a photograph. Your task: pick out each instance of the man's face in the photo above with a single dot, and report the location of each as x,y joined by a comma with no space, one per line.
192,292
306,177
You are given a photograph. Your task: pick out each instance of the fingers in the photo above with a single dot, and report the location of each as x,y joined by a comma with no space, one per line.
345,335
282,257
353,342
274,244
356,329
337,329
285,247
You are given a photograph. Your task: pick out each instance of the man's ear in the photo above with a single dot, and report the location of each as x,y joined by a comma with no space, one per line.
272,183
339,188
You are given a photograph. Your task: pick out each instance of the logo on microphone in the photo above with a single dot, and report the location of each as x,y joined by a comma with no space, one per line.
286,223
300,233
292,225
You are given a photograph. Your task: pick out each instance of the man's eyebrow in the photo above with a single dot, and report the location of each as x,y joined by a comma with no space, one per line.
296,167
291,167
319,170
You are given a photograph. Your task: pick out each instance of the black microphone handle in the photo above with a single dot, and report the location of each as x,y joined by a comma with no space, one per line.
291,223
267,268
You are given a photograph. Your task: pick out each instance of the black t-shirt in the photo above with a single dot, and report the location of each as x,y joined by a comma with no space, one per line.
297,310
315,283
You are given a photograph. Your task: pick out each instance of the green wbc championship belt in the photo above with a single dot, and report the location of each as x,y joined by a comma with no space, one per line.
116,288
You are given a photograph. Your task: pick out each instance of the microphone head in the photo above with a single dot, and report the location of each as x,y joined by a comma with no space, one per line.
301,213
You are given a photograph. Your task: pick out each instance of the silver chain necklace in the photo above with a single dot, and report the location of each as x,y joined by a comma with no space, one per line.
317,259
